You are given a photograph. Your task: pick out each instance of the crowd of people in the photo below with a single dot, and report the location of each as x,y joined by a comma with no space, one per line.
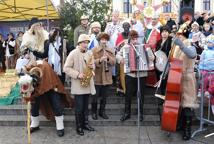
101,59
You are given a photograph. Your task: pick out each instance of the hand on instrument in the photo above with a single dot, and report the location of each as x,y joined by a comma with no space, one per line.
178,42
80,75
103,58
91,65
122,61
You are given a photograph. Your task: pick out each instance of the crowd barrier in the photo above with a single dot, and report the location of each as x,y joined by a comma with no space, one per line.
202,118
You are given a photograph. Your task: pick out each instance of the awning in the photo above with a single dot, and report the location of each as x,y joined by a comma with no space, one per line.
18,10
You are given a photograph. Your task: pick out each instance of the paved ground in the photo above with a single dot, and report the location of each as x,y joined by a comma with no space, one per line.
103,135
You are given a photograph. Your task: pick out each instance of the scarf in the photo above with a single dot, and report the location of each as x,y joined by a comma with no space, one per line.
53,56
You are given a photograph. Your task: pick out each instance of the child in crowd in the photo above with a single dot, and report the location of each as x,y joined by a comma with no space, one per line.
206,66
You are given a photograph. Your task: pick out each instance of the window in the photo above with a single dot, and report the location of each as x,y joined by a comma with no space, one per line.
167,8
127,9
206,5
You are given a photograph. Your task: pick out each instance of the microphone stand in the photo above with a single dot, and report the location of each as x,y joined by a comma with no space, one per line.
138,58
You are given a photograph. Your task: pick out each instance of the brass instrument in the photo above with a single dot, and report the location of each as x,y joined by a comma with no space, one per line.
105,62
88,73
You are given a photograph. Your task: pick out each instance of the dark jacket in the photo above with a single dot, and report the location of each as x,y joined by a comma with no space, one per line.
2,52
11,48
165,47
170,23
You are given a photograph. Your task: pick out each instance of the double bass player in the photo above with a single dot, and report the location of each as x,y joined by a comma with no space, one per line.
186,53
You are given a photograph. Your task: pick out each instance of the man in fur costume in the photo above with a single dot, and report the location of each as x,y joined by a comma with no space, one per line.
187,53
50,91
78,65
35,40
49,96
131,77
104,60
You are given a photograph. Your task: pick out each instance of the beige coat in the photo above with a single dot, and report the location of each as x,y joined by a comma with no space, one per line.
75,64
188,81
102,77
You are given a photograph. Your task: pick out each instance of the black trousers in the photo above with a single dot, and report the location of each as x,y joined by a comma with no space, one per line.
131,90
2,65
81,104
55,101
162,89
102,92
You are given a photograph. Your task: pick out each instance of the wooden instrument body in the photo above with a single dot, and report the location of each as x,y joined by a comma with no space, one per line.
171,108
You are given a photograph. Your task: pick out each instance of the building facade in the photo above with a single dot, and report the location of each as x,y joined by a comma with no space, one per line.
124,6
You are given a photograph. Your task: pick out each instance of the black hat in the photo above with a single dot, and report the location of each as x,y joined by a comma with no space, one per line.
33,21
165,28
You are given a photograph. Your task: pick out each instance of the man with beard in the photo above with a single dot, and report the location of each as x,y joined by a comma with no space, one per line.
95,29
83,28
49,96
35,39
104,60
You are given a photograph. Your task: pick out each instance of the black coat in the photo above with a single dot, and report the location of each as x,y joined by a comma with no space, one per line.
11,48
166,47
2,52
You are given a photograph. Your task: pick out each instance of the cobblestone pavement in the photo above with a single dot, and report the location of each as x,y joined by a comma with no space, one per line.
103,135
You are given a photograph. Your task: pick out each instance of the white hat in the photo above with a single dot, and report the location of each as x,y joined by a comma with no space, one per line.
95,24
195,23
83,37
84,17
155,16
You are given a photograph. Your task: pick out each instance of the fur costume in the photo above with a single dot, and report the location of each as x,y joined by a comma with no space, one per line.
188,81
48,81
31,41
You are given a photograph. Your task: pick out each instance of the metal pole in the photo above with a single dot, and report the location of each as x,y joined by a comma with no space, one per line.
128,7
48,25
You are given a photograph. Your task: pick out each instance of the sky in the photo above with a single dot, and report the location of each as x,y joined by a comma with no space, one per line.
55,2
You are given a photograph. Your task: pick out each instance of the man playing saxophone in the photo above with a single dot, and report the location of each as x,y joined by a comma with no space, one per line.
104,60
79,66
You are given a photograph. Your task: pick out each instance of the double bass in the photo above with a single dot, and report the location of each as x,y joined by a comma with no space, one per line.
171,107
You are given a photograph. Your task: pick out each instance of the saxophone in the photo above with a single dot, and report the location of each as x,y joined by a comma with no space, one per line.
88,74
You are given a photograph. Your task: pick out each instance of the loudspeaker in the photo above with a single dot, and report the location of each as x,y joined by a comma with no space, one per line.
186,10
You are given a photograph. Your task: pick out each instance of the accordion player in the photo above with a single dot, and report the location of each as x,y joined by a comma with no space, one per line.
130,54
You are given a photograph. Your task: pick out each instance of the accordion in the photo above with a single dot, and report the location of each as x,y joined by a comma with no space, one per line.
146,58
